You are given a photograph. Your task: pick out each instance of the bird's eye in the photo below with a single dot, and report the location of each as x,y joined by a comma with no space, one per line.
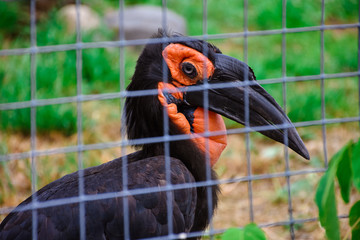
189,69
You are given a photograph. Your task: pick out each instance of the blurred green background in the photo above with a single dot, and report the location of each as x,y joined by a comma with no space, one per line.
56,71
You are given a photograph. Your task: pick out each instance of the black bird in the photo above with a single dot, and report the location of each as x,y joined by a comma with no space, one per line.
171,68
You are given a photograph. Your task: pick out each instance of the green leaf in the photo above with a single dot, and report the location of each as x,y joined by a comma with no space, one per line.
253,232
233,234
344,172
354,220
250,232
325,196
326,202
334,162
326,184
355,161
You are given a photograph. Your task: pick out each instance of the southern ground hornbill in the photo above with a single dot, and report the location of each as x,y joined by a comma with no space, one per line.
186,62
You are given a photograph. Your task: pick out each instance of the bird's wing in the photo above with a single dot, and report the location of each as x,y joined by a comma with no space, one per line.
104,218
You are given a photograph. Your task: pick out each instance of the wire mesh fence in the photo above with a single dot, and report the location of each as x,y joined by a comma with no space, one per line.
325,132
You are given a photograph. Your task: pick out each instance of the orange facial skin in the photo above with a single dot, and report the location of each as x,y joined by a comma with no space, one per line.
214,144
175,54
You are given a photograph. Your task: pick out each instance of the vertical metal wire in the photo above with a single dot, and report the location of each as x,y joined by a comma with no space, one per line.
359,57
82,222
33,118
124,161
288,185
206,120
286,140
283,53
169,191
247,114
322,79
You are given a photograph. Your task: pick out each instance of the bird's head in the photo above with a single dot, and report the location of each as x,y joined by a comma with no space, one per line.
181,69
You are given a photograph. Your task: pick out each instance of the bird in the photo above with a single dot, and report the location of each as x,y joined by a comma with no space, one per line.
189,86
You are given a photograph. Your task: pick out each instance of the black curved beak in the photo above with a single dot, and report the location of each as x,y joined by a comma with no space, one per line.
232,102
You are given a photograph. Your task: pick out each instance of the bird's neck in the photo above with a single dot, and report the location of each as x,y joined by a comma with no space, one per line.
145,119
193,121
185,150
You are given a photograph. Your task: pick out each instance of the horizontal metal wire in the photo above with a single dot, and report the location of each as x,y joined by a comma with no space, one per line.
139,191
126,94
140,141
136,42
220,231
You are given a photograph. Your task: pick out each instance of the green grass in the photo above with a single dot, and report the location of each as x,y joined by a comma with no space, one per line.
56,76
56,72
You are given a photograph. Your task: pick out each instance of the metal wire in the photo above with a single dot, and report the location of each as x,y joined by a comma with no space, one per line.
169,186
206,120
123,94
134,192
322,71
34,214
286,152
121,43
136,42
358,29
122,128
140,141
81,185
247,115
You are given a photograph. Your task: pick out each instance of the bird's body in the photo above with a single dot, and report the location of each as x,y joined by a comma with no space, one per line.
146,211
171,68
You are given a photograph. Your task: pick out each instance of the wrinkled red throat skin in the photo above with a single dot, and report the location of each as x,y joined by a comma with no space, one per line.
213,145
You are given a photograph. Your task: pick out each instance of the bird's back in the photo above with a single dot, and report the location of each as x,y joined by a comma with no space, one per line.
147,211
